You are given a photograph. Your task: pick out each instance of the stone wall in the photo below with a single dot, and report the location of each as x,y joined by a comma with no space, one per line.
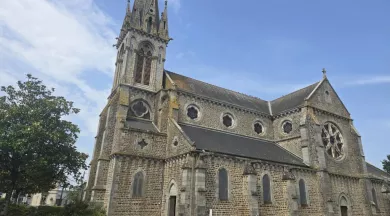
211,117
150,203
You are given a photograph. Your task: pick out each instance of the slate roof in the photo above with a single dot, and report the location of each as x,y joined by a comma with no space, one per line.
141,125
232,144
292,100
218,93
279,105
376,172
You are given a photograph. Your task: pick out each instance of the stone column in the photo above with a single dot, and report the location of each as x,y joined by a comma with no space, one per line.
185,190
250,181
292,196
200,188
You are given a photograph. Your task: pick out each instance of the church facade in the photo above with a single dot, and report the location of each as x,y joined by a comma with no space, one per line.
171,145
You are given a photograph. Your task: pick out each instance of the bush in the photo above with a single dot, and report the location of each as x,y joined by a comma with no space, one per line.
73,209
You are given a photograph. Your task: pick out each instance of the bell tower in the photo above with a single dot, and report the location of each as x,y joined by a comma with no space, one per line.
142,46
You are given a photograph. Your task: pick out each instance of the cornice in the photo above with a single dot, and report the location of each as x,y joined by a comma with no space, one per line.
316,109
143,33
222,103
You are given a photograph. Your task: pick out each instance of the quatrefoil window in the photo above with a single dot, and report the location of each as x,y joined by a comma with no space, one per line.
140,109
142,143
333,141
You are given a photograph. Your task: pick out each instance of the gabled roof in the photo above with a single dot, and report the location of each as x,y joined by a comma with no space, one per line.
218,93
233,144
376,172
292,100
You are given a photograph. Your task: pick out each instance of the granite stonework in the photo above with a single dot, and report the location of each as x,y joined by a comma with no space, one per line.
164,141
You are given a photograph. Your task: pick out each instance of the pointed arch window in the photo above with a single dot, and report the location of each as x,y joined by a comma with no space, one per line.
149,25
144,65
223,184
138,184
374,199
267,189
302,193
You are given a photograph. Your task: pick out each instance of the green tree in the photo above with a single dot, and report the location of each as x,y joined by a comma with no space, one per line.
37,145
386,164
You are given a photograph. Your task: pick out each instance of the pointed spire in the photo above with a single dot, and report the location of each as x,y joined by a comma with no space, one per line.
163,28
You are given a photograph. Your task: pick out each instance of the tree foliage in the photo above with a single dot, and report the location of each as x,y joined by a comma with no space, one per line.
386,164
37,144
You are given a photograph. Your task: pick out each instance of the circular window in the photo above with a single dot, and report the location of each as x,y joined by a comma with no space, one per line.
193,112
258,128
175,141
140,109
228,120
333,141
287,127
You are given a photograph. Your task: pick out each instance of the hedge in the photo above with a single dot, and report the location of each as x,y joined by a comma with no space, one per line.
76,209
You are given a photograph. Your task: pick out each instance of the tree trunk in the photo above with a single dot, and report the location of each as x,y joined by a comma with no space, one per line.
7,202
62,192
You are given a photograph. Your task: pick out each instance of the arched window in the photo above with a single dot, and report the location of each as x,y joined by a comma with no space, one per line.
374,199
266,190
223,184
138,184
149,25
143,65
302,192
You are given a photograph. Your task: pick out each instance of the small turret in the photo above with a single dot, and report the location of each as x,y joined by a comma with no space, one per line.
163,28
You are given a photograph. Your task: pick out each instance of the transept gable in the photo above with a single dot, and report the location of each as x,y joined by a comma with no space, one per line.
324,97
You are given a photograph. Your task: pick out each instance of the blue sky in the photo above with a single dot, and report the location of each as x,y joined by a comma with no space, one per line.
263,48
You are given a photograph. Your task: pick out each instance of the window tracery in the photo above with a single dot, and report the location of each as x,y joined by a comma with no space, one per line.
139,109
287,127
333,141
228,120
258,128
143,64
193,112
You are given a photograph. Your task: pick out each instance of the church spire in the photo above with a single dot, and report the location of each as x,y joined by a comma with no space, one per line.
163,28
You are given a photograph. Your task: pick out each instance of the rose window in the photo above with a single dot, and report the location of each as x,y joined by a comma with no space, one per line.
333,140
227,120
258,128
287,127
192,113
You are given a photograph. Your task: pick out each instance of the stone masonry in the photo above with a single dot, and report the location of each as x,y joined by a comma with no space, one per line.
171,145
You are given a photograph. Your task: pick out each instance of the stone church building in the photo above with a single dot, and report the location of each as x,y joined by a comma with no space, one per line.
171,145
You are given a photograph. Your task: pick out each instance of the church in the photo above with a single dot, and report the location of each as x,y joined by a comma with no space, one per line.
170,145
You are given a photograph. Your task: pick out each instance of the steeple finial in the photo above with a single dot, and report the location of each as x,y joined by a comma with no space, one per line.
324,72
128,6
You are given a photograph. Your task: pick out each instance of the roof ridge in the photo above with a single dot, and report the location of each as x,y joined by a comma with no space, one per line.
217,86
301,89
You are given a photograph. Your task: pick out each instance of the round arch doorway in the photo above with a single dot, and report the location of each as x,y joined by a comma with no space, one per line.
172,200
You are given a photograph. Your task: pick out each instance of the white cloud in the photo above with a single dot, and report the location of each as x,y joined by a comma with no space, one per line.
371,80
64,43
